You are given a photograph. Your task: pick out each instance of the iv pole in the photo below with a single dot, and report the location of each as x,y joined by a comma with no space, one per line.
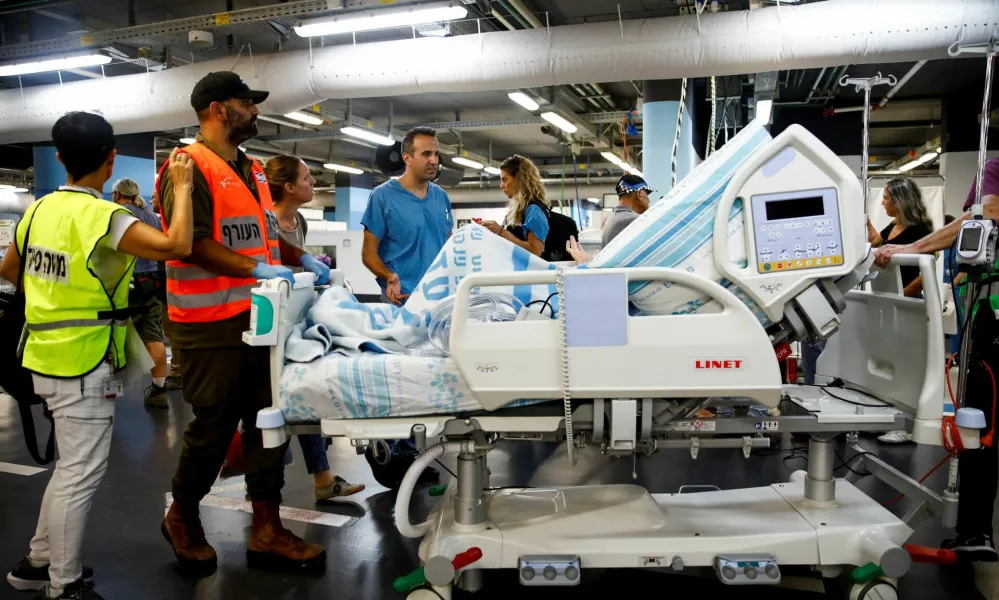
866,83
989,49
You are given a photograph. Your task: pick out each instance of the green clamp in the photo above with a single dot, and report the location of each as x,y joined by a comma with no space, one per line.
407,582
438,490
868,572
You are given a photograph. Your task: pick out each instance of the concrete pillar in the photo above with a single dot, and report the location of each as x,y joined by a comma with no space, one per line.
352,193
659,119
136,159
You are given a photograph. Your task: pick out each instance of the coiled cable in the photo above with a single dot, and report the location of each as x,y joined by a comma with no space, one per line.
483,307
564,348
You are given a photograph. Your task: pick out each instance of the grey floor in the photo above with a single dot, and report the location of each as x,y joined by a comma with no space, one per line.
366,554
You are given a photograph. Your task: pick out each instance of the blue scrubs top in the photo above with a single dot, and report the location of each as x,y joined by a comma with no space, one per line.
411,231
536,222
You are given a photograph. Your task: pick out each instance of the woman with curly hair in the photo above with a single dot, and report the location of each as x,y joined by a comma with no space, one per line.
526,222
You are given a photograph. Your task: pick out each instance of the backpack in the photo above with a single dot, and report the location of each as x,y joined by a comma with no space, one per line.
14,378
560,228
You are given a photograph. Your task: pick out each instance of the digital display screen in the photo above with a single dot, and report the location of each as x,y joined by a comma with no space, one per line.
795,208
971,237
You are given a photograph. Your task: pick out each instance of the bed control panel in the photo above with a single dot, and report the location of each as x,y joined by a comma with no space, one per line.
560,570
747,569
797,230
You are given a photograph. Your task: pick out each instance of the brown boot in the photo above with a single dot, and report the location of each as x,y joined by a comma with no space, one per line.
182,528
273,547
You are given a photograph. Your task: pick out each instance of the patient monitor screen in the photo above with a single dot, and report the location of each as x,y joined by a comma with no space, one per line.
971,237
797,230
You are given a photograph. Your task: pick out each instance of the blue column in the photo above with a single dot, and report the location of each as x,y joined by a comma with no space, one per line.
135,159
352,193
659,119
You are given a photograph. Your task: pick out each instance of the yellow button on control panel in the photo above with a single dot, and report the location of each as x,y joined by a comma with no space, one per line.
796,264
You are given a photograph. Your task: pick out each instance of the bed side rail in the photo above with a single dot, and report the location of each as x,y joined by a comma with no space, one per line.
892,347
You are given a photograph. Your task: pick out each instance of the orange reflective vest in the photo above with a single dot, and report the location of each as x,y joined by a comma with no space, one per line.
241,224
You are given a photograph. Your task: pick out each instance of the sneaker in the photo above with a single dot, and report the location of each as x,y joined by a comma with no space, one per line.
156,397
338,489
978,548
78,590
173,383
899,436
23,577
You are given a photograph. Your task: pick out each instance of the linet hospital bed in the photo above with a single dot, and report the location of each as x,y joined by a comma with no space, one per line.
633,384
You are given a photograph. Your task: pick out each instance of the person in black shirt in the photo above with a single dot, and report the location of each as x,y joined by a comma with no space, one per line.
903,202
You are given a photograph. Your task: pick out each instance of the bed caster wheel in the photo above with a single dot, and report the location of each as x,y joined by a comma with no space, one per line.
879,589
437,593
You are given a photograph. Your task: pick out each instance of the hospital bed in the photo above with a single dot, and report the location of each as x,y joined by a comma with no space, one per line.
635,384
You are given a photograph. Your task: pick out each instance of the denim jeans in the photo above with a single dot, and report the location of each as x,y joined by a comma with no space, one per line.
809,359
314,453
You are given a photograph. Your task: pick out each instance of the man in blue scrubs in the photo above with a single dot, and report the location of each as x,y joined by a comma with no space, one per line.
407,220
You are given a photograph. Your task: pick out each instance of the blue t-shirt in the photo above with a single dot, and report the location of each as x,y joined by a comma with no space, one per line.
411,231
536,222
144,265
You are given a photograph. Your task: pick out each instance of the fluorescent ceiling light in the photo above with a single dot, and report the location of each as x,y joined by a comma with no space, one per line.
366,134
382,19
634,171
54,64
187,141
763,110
492,170
302,117
922,160
610,156
343,169
467,162
281,122
20,190
524,100
559,121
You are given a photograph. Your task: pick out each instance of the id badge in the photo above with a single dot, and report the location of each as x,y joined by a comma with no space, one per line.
113,389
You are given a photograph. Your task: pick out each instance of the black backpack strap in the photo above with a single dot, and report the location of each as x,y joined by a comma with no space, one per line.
28,423
27,418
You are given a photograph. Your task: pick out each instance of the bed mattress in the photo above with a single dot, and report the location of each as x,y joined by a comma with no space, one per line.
373,386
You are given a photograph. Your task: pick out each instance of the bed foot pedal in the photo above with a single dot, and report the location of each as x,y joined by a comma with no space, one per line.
550,570
747,569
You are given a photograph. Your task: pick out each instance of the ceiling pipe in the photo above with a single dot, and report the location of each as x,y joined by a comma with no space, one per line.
533,20
496,15
729,43
815,85
905,79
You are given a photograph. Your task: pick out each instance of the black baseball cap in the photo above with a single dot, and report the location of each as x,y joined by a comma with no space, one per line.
631,183
221,86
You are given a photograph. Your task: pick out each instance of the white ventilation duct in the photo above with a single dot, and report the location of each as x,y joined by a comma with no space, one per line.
830,33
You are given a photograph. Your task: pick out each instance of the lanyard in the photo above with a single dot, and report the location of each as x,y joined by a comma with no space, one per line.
82,190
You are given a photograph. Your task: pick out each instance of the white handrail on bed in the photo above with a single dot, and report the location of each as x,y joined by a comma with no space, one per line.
725,354
885,340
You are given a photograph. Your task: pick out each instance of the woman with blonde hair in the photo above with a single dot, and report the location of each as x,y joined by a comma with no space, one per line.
526,223
903,202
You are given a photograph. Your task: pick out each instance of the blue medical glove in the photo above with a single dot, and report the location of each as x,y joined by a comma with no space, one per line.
314,265
266,271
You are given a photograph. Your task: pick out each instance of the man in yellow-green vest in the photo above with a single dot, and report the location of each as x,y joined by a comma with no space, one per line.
73,256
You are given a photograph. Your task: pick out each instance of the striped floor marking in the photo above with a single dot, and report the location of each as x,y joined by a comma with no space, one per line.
287,513
19,469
